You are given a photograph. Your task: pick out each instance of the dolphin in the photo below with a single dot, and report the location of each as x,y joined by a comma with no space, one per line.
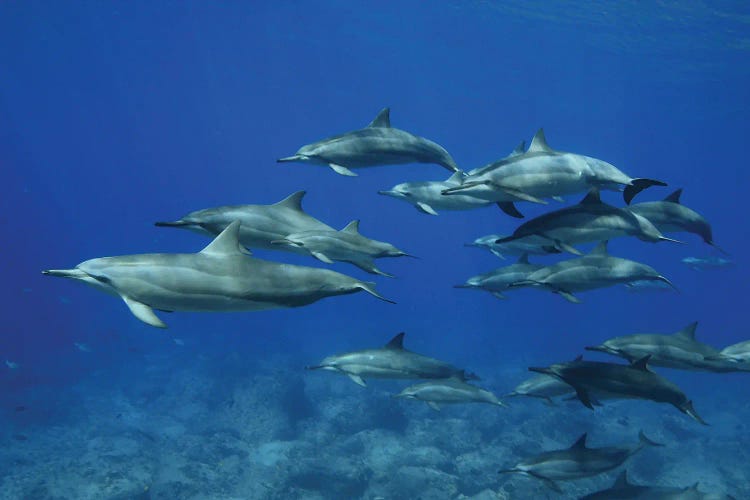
221,277
669,215
376,144
391,361
542,386
427,198
634,381
542,172
679,350
260,224
500,279
735,353
453,390
578,461
347,245
623,489
530,246
594,270
705,263
590,220
647,286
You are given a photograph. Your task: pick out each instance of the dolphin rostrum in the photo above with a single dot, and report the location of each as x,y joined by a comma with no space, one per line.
427,198
391,361
623,489
453,390
543,172
376,144
595,270
260,224
500,279
530,246
347,245
669,215
679,350
221,277
634,381
590,220
578,461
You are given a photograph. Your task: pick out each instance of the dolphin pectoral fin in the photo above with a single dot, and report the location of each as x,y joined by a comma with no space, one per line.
510,209
143,312
374,270
584,397
369,287
433,405
549,483
356,379
496,253
499,295
342,170
425,208
569,297
638,185
321,257
565,247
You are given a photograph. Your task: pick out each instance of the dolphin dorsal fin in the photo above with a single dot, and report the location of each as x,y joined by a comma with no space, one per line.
593,197
539,143
600,249
641,364
524,258
580,444
622,480
674,197
519,150
383,120
352,227
396,342
293,201
227,243
688,332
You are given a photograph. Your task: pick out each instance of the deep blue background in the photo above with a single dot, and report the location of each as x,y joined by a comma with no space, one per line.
115,115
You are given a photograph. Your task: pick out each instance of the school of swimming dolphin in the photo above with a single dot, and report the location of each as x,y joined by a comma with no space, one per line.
224,276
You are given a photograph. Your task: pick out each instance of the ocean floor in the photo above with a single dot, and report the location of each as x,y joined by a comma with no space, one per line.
229,429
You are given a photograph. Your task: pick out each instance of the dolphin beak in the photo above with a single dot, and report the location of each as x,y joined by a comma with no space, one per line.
289,159
600,348
388,193
65,273
177,223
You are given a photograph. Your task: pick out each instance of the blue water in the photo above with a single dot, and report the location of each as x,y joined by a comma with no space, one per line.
116,115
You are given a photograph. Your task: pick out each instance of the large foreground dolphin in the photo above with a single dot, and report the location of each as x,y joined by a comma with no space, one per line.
634,381
578,461
376,144
347,245
221,277
590,220
453,390
391,361
623,489
499,280
260,224
595,270
669,216
542,172
679,350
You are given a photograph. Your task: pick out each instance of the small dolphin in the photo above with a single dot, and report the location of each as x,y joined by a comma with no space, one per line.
221,277
500,279
347,245
391,362
671,216
735,353
427,198
376,144
12,364
82,347
541,173
542,386
452,390
530,246
594,270
705,263
260,224
679,350
625,490
634,381
578,461
590,220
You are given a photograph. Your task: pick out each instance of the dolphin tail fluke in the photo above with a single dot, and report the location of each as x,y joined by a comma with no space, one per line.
65,273
638,185
369,287
645,441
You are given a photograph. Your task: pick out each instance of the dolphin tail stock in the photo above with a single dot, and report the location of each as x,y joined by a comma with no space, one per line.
687,408
369,287
646,441
638,185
